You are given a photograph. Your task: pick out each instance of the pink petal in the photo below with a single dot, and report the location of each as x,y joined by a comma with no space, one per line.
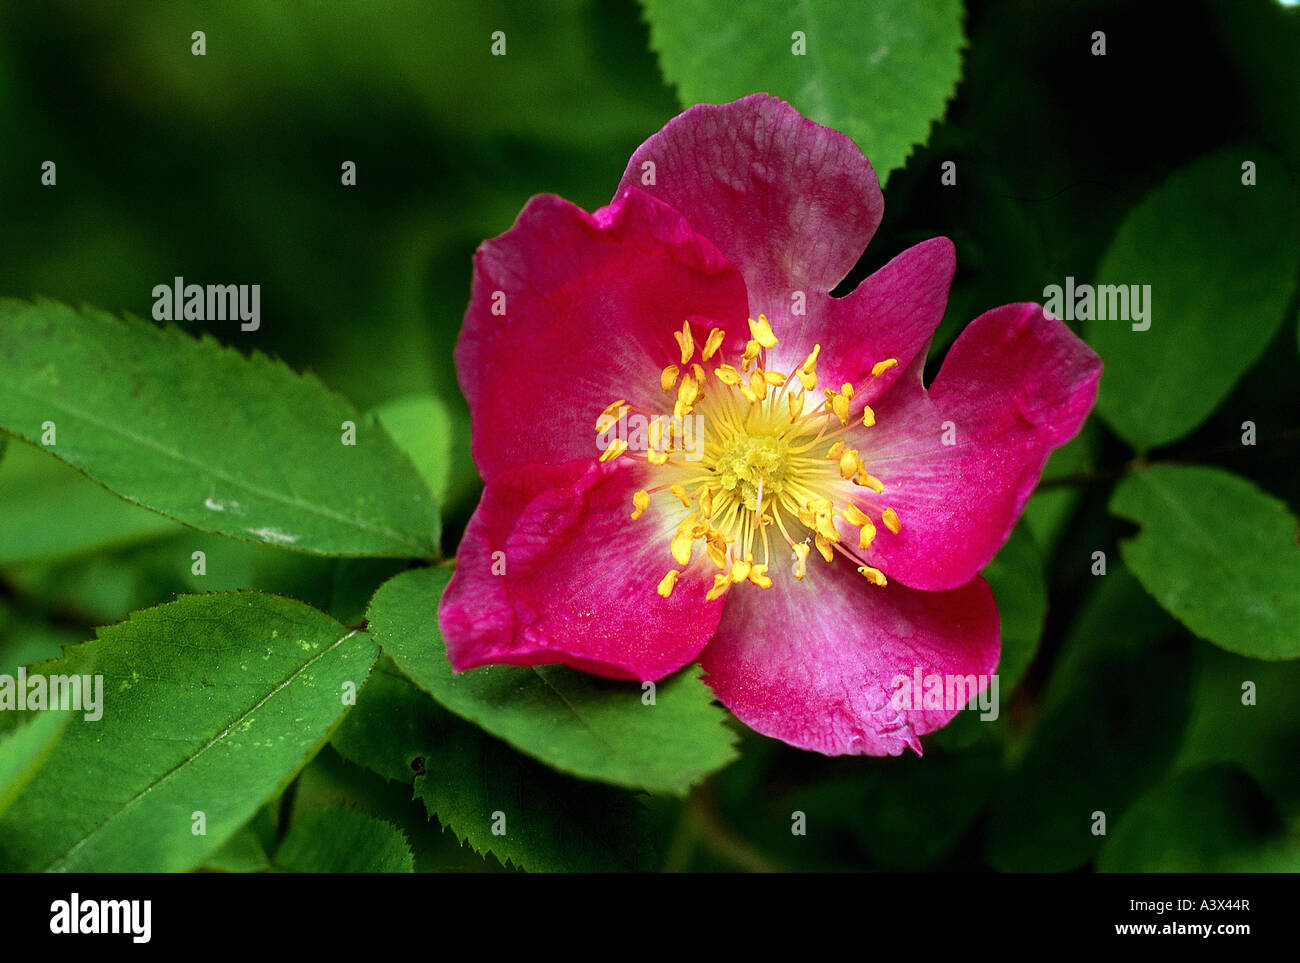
579,581
591,304
892,314
791,203
1014,385
816,663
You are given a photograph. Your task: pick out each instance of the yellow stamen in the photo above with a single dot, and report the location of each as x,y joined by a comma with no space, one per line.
810,362
715,546
761,331
720,585
685,341
727,375
849,463
761,472
890,518
740,569
616,448
873,575
688,392
801,554
868,480
880,367
854,516
822,511
840,406
713,343
682,541
868,533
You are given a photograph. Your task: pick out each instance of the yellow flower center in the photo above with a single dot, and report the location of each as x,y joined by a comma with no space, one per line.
753,459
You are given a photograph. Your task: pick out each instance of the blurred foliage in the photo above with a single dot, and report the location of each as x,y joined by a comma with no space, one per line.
226,168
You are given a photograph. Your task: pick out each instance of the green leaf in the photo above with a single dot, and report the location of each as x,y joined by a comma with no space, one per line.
552,823
246,850
194,430
24,749
1244,713
25,639
331,780
577,723
1110,725
881,72
340,839
421,426
50,511
878,806
1020,590
1049,508
1210,820
1221,260
1219,554
210,705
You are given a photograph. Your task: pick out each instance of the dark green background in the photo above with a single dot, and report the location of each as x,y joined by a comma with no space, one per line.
226,169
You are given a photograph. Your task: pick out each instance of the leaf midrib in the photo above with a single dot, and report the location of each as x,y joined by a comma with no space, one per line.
242,484
60,861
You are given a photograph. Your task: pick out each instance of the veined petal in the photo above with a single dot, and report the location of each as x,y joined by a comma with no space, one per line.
791,203
960,460
817,663
552,570
571,311
891,314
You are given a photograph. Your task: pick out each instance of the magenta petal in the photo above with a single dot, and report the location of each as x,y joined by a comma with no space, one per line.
791,203
551,570
1015,385
590,305
892,314
815,663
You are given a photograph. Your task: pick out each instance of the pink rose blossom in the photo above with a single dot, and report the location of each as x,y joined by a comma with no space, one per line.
778,496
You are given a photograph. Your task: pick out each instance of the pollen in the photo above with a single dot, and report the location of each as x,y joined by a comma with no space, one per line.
712,345
761,331
748,466
667,582
686,341
890,518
